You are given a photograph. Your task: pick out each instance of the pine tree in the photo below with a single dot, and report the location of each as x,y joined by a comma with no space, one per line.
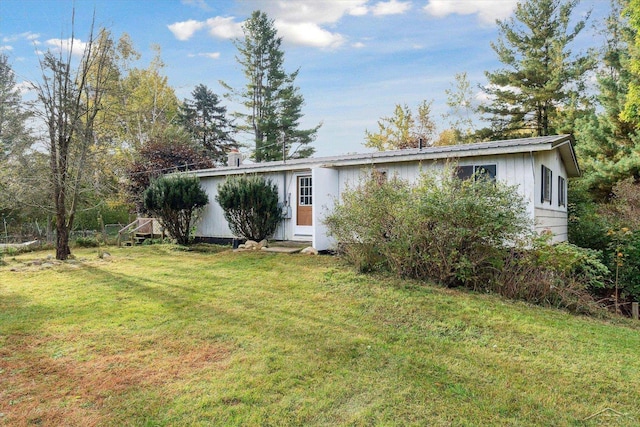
14,135
607,139
541,76
206,121
270,95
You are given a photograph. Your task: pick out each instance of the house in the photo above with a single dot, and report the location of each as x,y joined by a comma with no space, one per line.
538,166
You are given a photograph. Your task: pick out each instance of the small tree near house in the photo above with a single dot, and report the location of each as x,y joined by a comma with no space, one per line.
177,202
250,205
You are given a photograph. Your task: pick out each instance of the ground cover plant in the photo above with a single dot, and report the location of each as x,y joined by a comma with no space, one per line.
166,336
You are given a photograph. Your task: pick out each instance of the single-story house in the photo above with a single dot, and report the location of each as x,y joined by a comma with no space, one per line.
538,166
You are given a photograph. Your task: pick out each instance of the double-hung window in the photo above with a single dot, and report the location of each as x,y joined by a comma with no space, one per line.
562,192
547,182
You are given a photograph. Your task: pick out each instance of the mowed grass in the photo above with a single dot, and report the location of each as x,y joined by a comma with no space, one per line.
154,336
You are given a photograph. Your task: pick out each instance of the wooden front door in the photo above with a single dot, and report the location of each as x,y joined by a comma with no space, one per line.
304,216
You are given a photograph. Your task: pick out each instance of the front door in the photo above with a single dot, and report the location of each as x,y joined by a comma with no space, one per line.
304,208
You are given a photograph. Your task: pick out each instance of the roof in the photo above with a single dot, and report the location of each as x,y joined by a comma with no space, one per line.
510,146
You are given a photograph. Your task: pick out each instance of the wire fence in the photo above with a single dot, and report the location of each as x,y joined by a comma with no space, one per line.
29,232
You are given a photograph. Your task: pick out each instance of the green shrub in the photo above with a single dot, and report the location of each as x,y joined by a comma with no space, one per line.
87,242
250,205
623,256
562,275
474,233
445,229
587,227
177,202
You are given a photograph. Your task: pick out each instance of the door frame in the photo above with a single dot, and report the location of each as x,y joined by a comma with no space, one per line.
302,230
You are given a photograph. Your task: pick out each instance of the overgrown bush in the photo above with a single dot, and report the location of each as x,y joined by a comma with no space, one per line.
250,205
561,275
445,229
177,202
474,233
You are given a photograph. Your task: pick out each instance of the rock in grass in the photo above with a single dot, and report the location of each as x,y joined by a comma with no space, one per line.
309,250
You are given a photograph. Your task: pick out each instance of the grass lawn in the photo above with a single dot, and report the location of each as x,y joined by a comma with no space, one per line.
154,336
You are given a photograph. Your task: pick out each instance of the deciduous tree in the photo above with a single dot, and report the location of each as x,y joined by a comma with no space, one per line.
159,157
402,130
70,97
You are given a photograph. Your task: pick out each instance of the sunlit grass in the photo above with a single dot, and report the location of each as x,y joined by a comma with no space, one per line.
158,336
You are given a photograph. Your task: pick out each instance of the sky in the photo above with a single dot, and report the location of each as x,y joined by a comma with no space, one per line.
357,58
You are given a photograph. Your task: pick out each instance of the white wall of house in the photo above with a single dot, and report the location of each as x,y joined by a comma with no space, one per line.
332,177
551,216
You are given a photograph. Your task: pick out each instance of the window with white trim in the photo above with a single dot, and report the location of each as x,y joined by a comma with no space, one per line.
547,183
562,192
305,189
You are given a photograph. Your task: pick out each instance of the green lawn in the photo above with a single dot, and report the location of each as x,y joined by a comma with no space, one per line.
160,337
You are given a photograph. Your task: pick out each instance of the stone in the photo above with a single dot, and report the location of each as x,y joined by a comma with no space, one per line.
309,250
250,244
264,243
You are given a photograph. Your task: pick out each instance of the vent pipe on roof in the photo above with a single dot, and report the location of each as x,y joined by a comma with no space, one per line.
420,143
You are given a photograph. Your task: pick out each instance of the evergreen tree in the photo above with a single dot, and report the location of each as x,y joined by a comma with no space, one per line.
607,140
206,121
14,136
270,95
541,76
177,201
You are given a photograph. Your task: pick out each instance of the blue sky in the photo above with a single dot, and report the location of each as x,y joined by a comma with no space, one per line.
357,58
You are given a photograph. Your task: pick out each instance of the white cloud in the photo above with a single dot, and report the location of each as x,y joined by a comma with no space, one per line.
24,87
6,48
224,28
358,45
308,34
317,11
22,36
487,10
212,55
358,11
184,30
202,4
391,7
77,45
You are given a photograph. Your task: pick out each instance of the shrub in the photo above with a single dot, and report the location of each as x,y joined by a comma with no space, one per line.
250,205
177,202
561,275
444,229
474,233
87,242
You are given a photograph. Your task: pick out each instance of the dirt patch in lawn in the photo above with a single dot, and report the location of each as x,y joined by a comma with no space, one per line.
78,390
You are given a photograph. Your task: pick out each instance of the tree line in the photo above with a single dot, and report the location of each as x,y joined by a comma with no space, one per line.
110,127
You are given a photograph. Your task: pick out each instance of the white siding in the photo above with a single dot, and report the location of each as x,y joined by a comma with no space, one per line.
213,223
549,216
325,188
520,169
554,221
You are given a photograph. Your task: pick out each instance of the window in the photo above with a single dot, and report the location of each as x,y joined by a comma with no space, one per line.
562,194
304,188
479,171
547,179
